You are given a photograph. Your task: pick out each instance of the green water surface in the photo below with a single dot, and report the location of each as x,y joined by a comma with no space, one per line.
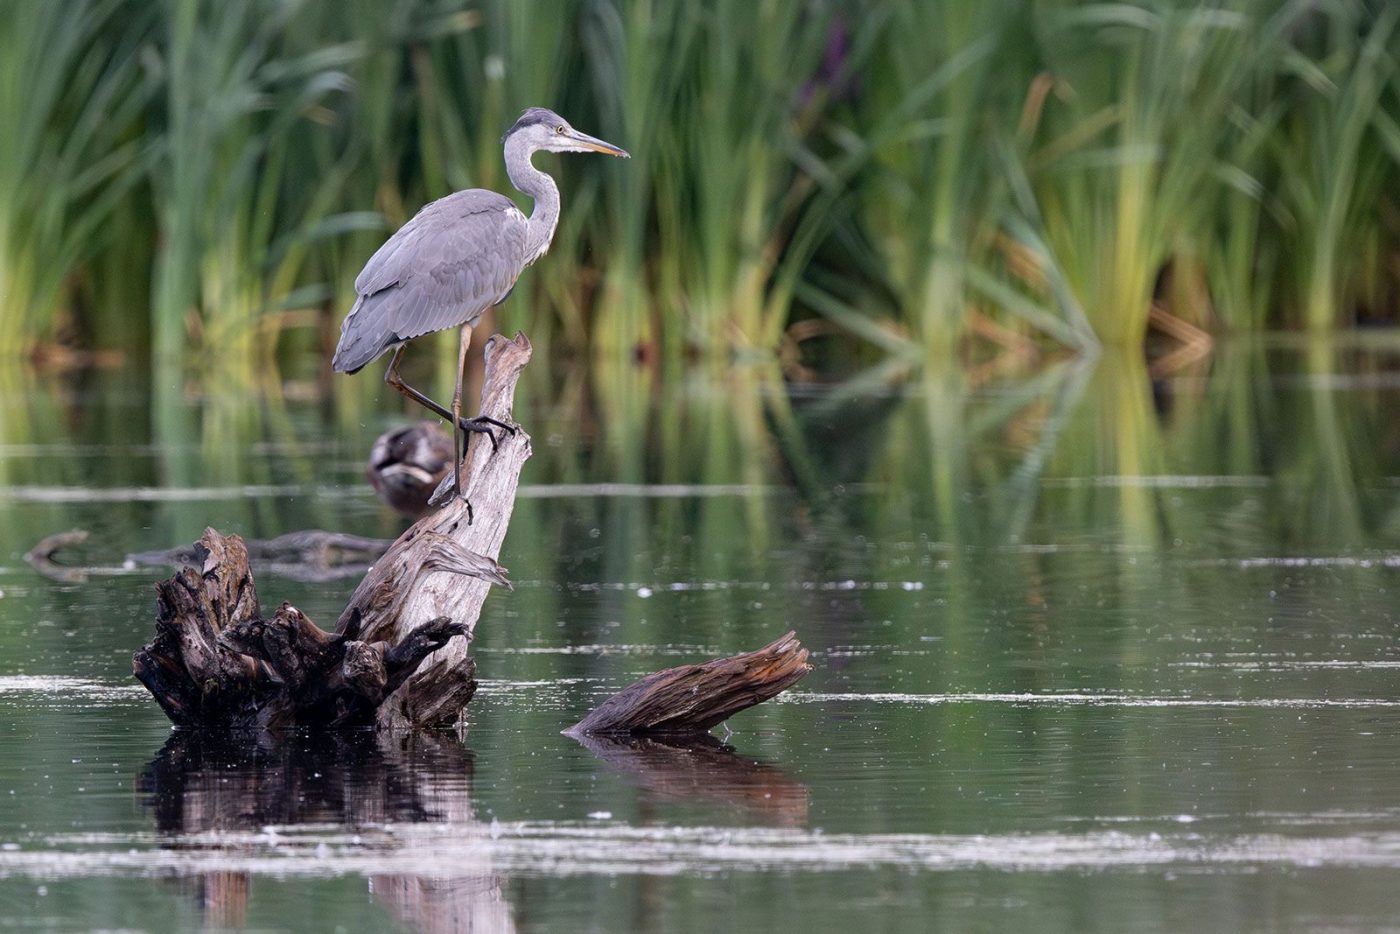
1095,650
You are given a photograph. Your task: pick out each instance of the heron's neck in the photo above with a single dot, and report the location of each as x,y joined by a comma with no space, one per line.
545,217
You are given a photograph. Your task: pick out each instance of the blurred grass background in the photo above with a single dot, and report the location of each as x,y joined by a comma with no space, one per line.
197,182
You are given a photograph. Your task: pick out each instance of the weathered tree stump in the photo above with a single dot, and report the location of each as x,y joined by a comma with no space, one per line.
691,699
398,657
217,662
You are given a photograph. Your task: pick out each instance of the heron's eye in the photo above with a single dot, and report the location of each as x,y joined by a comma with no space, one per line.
559,130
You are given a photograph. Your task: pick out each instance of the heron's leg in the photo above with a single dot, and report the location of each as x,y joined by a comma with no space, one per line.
395,382
459,445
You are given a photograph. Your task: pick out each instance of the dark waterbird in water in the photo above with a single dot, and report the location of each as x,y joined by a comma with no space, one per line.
456,258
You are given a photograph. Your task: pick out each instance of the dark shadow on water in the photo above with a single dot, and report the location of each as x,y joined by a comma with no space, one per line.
702,768
200,785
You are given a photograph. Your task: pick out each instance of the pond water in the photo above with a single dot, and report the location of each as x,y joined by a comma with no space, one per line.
1095,650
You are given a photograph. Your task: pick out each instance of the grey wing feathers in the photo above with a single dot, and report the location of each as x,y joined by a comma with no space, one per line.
457,257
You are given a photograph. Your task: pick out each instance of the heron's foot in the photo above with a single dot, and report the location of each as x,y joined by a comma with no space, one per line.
484,425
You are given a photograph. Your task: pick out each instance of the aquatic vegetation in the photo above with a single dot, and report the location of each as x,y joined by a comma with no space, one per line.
71,94
200,181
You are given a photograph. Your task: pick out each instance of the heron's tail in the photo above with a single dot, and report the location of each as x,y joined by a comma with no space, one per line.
360,342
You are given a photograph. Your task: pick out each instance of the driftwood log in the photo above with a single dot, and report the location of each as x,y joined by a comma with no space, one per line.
691,699
398,656
406,466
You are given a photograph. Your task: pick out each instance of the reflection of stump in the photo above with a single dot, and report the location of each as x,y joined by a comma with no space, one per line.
701,767
198,784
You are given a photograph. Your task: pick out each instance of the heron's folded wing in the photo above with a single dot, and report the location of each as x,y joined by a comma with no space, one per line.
452,261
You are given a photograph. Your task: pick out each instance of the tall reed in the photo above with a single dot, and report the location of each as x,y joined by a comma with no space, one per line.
942,82
1124,167
71,92
1333,166
238,192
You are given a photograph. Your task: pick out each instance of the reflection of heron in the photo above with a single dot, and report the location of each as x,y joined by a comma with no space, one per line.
456,258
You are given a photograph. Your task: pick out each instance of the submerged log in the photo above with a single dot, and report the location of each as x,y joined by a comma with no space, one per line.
691,699
312,555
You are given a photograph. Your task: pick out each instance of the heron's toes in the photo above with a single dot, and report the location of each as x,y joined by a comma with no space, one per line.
484,425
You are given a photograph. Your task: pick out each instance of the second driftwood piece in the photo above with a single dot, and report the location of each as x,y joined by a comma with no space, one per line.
691,699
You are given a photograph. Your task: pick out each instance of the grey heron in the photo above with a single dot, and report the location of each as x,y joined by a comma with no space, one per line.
457,257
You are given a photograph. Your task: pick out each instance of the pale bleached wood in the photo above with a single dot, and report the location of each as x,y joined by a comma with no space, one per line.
444,565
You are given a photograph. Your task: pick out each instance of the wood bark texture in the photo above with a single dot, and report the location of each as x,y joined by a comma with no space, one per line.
691,699
445,564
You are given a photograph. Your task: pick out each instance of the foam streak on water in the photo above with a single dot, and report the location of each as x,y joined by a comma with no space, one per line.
442,850
1093,700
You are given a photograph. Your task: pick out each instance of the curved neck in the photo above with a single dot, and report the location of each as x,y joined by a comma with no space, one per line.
545,217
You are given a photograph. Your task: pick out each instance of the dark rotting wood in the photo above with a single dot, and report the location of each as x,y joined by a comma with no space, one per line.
691,699
217,663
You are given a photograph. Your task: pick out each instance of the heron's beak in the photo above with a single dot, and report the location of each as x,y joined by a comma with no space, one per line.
597,145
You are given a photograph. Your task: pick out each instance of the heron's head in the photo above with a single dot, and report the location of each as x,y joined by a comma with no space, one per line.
545,129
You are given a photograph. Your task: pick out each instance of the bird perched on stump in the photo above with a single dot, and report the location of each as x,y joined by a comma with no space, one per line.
457,257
